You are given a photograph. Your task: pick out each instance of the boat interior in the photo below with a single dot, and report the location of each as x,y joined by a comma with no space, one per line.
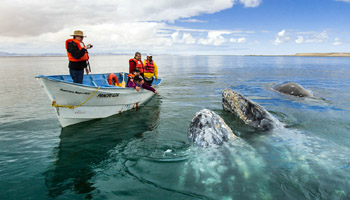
95,80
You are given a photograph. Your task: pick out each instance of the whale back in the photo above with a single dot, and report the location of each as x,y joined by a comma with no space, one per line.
249,112
294,89
208,128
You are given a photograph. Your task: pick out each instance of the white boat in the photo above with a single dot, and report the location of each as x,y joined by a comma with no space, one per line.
95,98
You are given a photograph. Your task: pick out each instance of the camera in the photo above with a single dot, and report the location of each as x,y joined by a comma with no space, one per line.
91,45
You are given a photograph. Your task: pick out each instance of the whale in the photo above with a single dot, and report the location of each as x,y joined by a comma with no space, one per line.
208,128
251,113
293,89
220,161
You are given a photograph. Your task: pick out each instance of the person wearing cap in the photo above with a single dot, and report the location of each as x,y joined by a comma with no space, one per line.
150,70
77,56
137,84
136,62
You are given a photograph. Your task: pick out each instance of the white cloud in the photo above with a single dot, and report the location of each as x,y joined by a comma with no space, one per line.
33,17
299,40
238,40
281,38
347,1
337,42
318,38
250,3
111,24
192,21
185,39
314,38
188,39
214,38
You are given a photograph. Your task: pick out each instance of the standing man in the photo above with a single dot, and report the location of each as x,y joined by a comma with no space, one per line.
150,70
136,62
78,56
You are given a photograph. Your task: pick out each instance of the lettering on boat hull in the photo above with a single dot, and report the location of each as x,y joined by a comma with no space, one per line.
74,92
108,95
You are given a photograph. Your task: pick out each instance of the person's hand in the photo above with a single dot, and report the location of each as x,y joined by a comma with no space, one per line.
156,78
156,92
89,46
87,71
138,88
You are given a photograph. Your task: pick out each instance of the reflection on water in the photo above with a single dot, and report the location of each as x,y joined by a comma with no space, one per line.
84,146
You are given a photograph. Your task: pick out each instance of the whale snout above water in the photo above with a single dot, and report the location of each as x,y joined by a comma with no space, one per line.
294,89
208,128
249,112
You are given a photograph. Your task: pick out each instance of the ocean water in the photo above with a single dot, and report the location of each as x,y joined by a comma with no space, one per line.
144,153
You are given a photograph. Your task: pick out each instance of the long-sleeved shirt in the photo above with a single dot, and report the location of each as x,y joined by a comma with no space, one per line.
73,49
150,75
144,86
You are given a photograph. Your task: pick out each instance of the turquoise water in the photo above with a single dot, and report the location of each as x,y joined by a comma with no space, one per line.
145,154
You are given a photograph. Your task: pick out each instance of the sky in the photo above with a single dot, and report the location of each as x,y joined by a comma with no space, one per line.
185,27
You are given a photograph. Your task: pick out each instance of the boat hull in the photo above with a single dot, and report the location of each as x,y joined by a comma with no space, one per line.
90,102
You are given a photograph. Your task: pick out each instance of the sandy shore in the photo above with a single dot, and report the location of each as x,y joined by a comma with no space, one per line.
313,55
324,54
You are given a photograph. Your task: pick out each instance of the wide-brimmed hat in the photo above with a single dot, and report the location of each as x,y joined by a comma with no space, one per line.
78,33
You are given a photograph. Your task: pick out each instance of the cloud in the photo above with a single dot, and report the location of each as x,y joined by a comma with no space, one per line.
347,1
299,40
313,38
250,3
34,18
185,39
337,42
111,25
238,40
192,21
281,38
214,38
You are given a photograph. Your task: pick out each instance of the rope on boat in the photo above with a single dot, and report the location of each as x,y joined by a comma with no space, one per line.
71,106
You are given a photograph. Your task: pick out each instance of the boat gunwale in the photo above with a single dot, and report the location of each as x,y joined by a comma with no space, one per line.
84,85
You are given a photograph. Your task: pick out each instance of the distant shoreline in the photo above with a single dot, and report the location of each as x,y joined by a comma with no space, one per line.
313,55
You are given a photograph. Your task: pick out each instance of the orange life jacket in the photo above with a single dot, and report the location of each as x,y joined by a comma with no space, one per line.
138,64
80,46
149,67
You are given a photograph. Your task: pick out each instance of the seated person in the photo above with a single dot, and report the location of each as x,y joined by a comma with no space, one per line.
134,73
137,83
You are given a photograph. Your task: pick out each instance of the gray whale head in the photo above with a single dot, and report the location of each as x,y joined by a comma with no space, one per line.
293,89
249,112
208,128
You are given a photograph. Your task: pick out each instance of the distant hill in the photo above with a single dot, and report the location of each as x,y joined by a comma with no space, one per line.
22,54
57,54
9,54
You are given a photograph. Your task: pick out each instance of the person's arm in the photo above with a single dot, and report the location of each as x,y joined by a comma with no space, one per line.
132,65
73,49
147,87
130,84
155,70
